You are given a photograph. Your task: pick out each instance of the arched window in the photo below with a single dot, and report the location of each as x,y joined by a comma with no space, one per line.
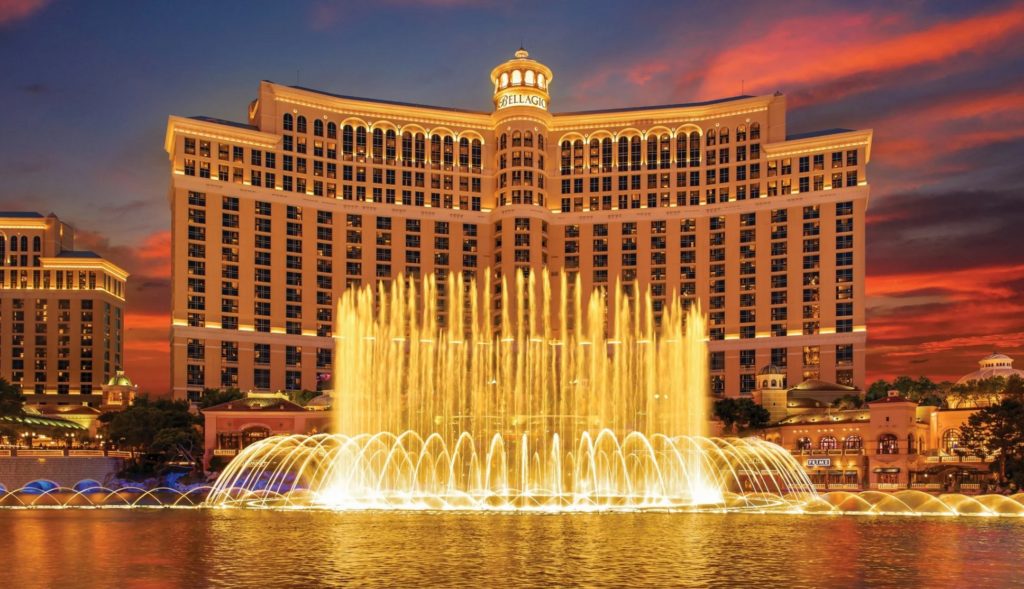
254,434
623,154
477,157
666,152
741,133
360,141
566,157
755,131
517,77
449,151
595,154
888,444
464,152
774,383
517,139
421,148
827,443
606,154
709,137
389,144
3,253
652,152
300,124
504,80
332,131
541,81
910,444
853,442
14,244
694,149
288,122
378,143
527,139
24,243
723,135
503,141
634,153
346,139
803,443
37,244
681,150
318,128
540,141
407,146
435,149
577,155
529,77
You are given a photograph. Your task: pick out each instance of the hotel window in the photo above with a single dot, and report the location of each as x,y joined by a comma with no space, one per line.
844,354
195,375
261,378
888,444
851,178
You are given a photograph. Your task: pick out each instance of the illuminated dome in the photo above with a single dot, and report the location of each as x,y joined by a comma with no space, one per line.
120,379
521,82
772,369
994,364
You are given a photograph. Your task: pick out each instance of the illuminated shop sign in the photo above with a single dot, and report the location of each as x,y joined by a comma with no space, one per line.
819,462
516,99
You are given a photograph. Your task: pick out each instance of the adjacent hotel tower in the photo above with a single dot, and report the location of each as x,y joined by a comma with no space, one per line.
320,192
61,312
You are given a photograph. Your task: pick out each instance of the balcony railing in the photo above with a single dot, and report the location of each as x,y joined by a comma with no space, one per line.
828,452
53,452
944,459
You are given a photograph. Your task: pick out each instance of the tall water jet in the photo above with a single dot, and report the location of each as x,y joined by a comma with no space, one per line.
516,395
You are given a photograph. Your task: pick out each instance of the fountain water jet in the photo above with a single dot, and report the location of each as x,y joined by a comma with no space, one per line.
526,396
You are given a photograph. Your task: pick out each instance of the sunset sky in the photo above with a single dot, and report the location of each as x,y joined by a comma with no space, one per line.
87,88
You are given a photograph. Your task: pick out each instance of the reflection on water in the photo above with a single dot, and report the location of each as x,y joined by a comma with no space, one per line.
174,548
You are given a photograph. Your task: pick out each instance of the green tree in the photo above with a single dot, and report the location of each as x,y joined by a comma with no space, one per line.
164,429
740,414
878,390
302,397
998,431
12,402
1014,388
211,397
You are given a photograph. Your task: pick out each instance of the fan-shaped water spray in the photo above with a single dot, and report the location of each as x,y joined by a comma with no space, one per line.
514,396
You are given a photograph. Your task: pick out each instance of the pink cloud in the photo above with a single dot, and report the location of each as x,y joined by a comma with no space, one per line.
15,10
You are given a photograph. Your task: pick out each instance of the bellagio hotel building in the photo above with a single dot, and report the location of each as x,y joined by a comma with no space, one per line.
319,192
61,312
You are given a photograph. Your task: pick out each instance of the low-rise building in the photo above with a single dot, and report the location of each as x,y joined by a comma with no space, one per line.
231,426
888,444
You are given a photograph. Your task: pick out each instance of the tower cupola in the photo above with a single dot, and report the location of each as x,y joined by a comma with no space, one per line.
521,82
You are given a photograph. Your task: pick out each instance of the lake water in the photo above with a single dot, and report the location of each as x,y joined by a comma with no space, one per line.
236,548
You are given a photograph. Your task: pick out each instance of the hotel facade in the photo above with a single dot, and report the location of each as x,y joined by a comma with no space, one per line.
317,192
61,313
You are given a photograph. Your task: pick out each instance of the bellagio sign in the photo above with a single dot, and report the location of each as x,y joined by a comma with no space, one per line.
518,99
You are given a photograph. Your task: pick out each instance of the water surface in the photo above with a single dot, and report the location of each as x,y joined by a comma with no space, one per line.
237,548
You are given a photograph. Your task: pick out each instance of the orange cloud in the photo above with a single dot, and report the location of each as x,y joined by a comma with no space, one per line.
966,285
814,50
941,323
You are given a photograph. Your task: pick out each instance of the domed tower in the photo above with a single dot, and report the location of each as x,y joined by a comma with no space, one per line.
521,122
521,82
771,391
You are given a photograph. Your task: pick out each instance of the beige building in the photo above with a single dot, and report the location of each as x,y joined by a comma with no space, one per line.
888,444
319,192
61,312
